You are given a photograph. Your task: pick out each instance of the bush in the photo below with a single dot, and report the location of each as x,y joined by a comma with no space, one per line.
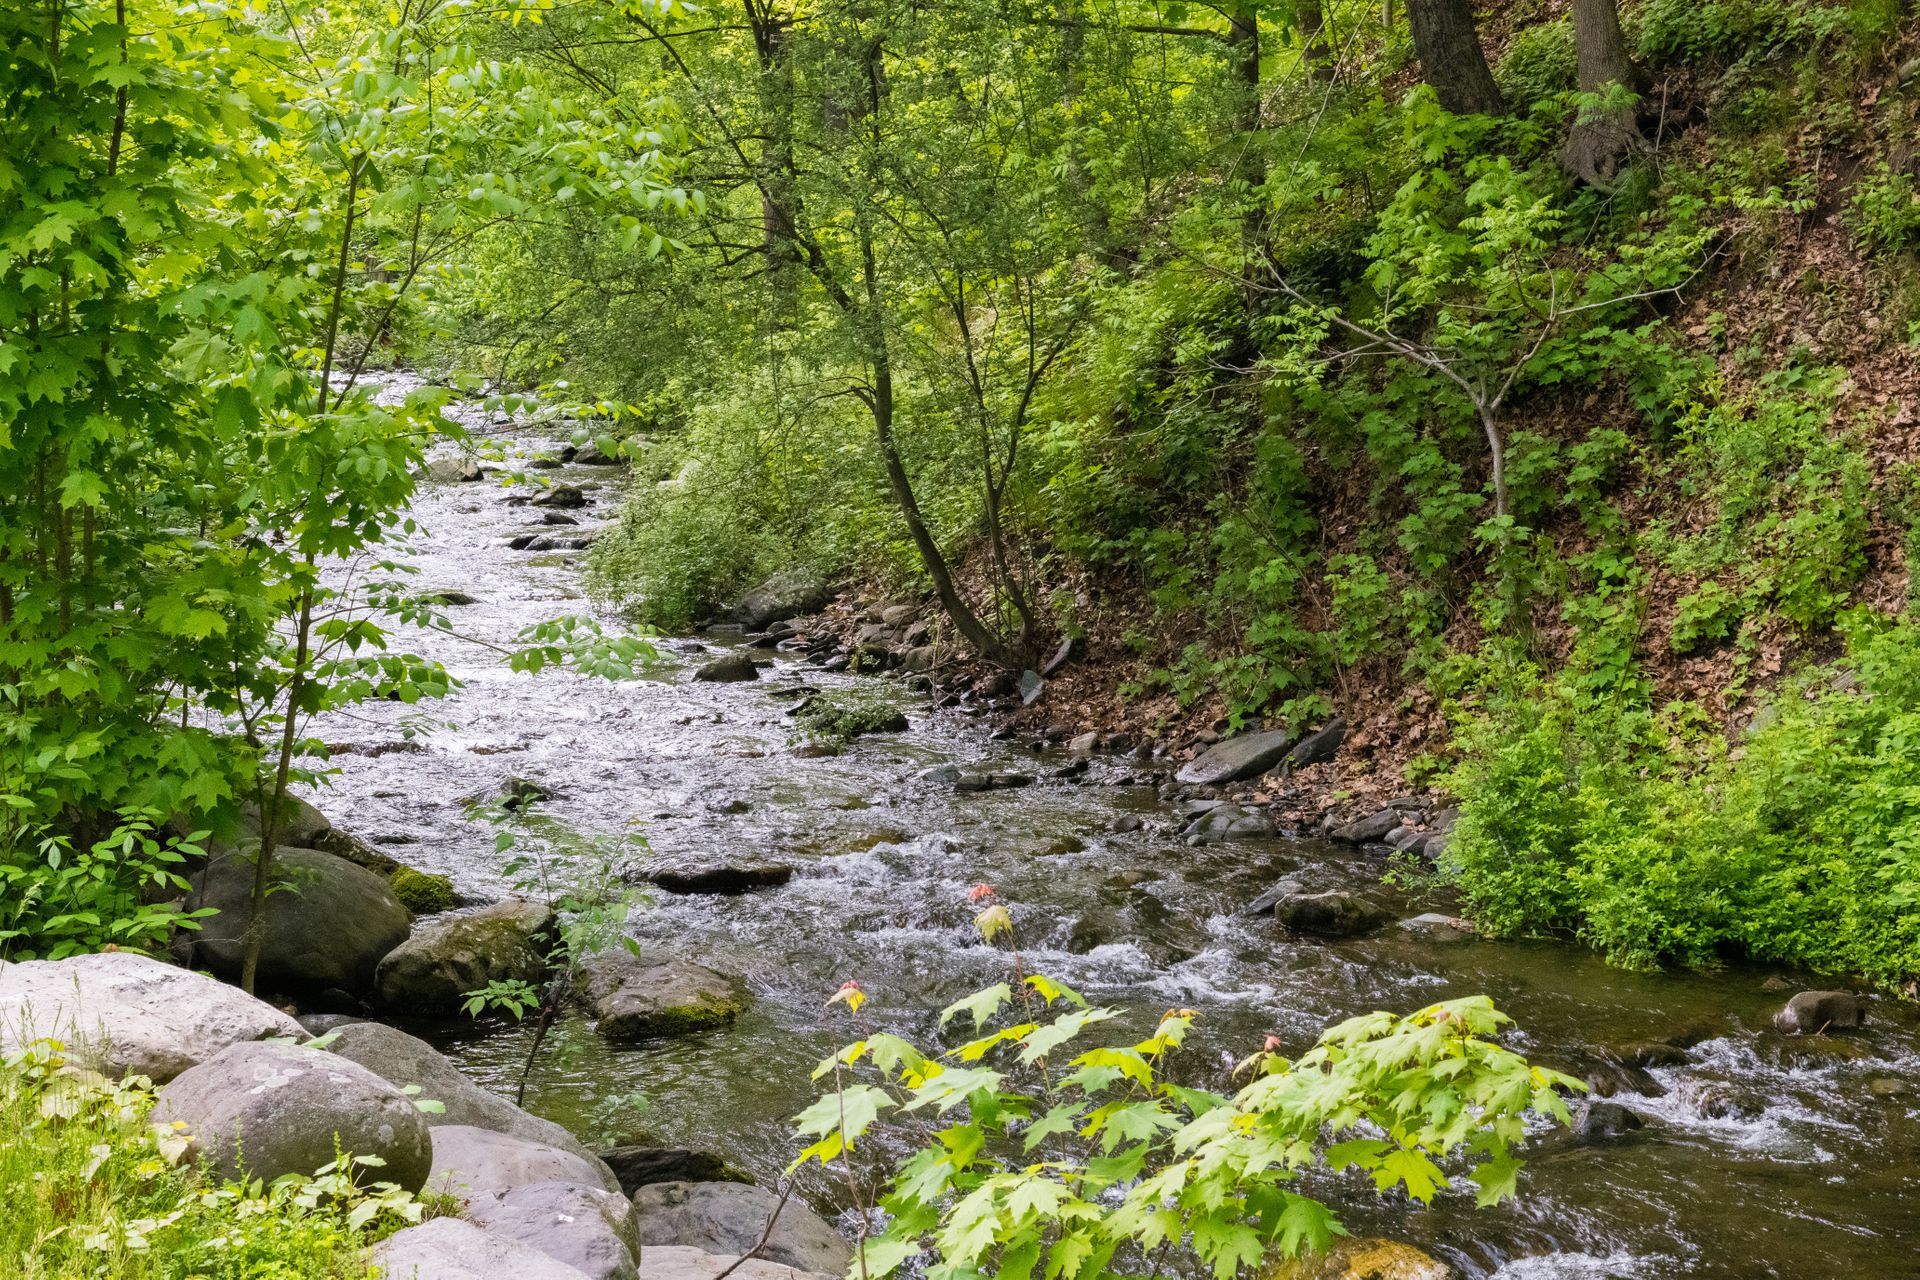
1655,844
93,1193
58,901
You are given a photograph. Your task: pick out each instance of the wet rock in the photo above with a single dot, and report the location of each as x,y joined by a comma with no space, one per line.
1319,746
727,878
421,892
556,518
1713,1100
592,455
1817,1012
729,667
675,1262
127,1014
1646,1053
730,1217
1362,1259
263,1110
1598,1121
1133,878
1286,887
785,595
562,497
1369,830
1245,755
1085,744
430,973
634,999
587,1228
1063,845
1334,914
328,922
451,599
402,1060
1889,1087
1436,927
817,750
470,1162
1227,822
992,781
451,1249
455,471
638,1167
1127,822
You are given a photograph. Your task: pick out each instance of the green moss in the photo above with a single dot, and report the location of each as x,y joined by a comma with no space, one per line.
842,717
421,892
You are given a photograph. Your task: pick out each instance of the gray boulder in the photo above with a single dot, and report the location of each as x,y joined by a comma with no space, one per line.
1285,887
449,1249
1371,829
455,471
470,1162
787,594
594,1231
1812,1012
328,922
1246,755
730,1217
123,1014
1318,746
402,1060
430,973
300,825
1598,1121
1334,914
262,1110
728,668
562,497
672,1262
635,999
1227,822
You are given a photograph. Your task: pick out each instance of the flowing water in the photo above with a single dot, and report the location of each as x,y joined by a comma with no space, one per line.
1761,1156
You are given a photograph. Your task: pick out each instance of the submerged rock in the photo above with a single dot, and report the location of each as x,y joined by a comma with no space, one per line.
590,1229
430,973
1597,1121
328,922
262,1110
726,878
731,1217
127,1014
1814,1012
402,1060
634,999
1334,914
728,668
1242,756
450,1249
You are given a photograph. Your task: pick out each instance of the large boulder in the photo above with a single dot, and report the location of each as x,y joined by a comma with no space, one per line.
1246,755
1812,1012
122,1013
728,668
1334,914
262,1110
328,922
300,823
1362,1259
1227,822
787,594
671,1262
1319,746
449,1249
635,999
731,1217
403,1060
594,1231
430,973
1371,829
470,1162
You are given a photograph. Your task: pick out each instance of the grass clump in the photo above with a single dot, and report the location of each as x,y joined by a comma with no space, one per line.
93,1193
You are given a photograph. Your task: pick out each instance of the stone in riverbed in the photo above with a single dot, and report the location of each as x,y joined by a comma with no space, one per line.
1814,1012
673,1262
1599,1121
785,595
728,668
450,1249
122,1013
1371,829
1227,822
725,878
402,1060
992,781
1318,746
730,1217
455,471
262,1110
430,973
469,1162
328,922
566,497
635,999
1334,914
593,1230
638,1167
1245,755
1362,1259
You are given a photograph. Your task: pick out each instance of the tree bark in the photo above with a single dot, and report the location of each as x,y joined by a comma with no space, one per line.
1451,59
1313,40
1601,140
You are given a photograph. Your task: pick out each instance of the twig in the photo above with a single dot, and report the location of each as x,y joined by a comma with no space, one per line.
765,1235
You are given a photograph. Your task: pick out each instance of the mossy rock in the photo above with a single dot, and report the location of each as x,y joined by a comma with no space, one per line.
633,999
422,892
842,717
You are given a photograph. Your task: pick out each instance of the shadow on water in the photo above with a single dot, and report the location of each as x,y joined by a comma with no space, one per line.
1760,1156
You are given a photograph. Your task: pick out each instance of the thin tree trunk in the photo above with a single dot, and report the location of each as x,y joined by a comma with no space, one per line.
1602,139
274,800
1451,59
1313,39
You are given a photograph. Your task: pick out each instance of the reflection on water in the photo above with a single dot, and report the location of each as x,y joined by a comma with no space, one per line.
1761,1157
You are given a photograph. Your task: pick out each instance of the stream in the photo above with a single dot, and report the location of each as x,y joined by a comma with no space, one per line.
1761,1155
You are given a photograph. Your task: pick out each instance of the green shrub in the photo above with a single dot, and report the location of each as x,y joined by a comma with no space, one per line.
1884,214
57,901
422,892
1539,63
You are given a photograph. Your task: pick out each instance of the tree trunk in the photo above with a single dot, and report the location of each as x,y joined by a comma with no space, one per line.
1601,139
1449,47
1313,40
